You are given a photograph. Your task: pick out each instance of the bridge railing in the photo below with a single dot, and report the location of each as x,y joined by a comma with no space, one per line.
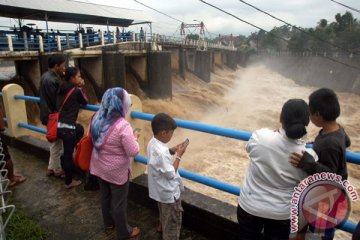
352,157
52,41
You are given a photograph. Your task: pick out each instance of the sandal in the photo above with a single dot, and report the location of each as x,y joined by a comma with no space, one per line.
58,173
135,233
16,180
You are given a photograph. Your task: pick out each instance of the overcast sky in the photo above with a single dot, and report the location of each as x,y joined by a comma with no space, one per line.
303,13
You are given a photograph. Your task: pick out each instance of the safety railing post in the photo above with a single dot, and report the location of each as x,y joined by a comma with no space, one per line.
80,41
102,38
41,44
58,38
15,109
26,45
10,43
114,37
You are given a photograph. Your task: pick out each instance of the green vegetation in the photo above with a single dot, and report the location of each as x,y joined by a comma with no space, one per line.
21,226
344,32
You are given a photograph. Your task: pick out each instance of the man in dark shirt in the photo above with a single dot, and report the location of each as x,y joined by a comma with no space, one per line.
49,85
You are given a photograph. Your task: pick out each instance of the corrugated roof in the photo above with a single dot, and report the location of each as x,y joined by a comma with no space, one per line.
71,11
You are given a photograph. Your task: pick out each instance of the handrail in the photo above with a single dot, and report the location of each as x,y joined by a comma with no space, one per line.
226,132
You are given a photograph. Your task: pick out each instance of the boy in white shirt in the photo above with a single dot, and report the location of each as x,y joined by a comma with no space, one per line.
164,181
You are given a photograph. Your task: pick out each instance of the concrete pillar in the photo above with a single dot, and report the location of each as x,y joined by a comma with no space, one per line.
43,62
26,45
58,43
29,70
137,168
92,69
114,70
80,41
15,109
102,38
41,44
182,62
159,74
203,65
10,43
231,59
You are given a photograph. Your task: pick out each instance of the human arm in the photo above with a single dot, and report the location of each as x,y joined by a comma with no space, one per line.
81,96
328,161
129,142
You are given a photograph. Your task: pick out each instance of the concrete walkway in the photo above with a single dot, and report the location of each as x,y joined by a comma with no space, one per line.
73,214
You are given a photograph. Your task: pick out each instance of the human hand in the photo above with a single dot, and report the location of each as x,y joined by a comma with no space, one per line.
81,83
136,132
180,149
295,158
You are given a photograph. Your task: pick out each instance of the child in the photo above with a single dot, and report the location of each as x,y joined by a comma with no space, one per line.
330,144
164,181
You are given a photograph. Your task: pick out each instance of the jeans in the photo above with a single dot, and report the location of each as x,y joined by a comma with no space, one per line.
70,138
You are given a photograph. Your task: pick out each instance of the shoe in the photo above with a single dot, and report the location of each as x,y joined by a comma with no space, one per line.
16,180
135,233
56,173
74,183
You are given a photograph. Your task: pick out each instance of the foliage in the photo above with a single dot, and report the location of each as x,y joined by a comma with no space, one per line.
343,32
23,227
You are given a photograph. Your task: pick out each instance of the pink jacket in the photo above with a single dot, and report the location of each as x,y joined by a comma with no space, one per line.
112,162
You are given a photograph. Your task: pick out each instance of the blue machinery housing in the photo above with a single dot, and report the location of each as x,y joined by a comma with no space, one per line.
352,157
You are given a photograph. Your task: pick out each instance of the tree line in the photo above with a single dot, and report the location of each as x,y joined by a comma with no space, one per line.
343,34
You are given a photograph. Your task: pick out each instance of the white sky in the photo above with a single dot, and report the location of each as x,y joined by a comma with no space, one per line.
303,13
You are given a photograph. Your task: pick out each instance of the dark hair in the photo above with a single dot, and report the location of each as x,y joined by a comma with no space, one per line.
56,59
70,72
325,102
294,118
162,122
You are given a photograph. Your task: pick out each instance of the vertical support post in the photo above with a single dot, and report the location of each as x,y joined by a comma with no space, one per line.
80,41
102,38
137,168
114,37
58,43
10,43
15,109
41,44
133,37
67,40
47,33
26,45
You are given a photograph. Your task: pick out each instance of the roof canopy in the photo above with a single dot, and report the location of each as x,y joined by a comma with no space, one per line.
71,12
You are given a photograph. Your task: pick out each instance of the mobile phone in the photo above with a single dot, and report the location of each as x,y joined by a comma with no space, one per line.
186,142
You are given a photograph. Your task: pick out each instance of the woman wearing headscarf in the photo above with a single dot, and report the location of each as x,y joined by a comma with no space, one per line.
115,143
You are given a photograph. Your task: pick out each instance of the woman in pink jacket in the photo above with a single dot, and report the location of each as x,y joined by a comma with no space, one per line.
114,145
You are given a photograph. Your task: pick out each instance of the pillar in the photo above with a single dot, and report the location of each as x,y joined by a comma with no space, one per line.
159,74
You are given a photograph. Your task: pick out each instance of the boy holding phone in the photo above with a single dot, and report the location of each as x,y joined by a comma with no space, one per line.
164,181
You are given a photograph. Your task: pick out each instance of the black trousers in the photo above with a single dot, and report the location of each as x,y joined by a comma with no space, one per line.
70,138
251,227
114,200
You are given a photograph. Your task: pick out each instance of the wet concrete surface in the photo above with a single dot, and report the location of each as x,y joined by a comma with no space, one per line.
74,214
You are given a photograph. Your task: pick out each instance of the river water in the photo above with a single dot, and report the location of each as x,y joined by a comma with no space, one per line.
248,99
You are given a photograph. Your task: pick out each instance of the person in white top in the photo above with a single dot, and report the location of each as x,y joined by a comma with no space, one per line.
164,181
265,198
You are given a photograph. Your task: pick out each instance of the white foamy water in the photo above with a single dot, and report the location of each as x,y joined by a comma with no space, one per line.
248,99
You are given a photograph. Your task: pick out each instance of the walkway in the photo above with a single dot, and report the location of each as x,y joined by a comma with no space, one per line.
73,214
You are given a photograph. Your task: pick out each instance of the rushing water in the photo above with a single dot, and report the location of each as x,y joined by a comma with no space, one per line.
248,99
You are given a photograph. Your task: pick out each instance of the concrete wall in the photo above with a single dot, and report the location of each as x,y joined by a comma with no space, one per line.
29,70
114,70
203,65
138,67
218,58
159,74
94,66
